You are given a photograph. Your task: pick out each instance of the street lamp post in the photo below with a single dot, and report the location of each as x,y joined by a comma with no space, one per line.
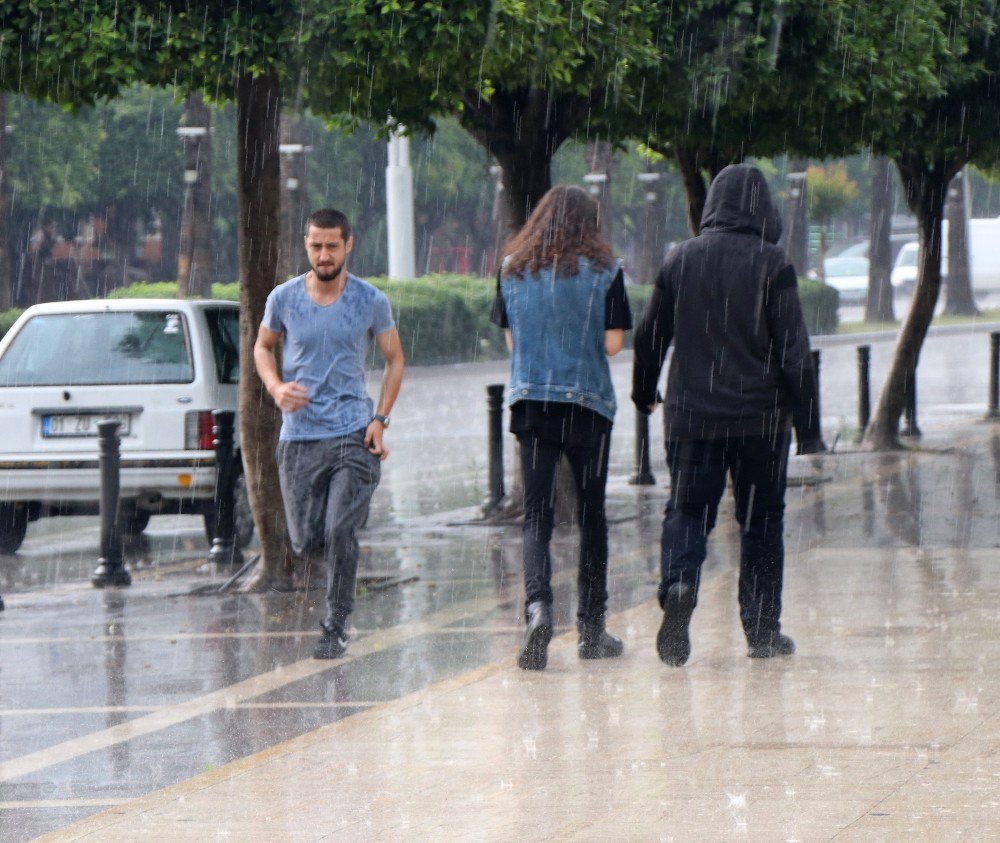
194,260
650,245
294,196
399,207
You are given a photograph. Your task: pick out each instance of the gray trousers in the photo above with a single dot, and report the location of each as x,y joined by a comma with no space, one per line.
327,485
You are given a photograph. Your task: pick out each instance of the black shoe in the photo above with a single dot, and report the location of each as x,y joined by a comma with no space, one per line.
597,643
332,644
672,643
776,644
534,651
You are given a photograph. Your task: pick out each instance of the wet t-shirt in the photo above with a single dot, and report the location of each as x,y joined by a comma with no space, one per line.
324,348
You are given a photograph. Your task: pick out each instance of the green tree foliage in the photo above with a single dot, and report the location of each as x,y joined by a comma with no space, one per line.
830,191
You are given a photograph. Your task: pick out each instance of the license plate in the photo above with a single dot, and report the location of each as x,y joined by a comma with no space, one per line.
82,424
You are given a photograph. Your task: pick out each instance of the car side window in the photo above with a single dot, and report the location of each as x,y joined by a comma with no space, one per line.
224,329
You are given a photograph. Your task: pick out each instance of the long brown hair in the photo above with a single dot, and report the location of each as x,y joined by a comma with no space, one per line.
562,228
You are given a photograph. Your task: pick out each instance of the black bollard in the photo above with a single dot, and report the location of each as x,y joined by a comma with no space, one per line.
643,474
224,549
993,410
816,357
910,407
494,431
111,568
864,389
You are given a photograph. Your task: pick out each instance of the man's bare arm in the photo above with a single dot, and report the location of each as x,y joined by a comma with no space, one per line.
288,396
392,379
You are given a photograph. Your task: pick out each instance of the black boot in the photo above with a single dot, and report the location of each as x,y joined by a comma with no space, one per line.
771,645
534,650
596,642
332,644
672,643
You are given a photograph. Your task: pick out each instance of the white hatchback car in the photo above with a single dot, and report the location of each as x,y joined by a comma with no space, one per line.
159,366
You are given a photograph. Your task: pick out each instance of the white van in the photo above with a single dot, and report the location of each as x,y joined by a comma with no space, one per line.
984,257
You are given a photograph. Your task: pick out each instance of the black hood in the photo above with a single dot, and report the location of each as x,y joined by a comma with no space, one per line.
739,200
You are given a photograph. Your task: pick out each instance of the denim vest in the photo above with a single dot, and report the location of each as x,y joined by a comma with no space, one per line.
557,326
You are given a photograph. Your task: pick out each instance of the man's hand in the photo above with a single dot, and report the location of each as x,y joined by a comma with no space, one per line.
290,397
812,446
373,440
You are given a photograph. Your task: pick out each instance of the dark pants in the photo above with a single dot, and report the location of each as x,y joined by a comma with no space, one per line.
327,485
758,467
587,453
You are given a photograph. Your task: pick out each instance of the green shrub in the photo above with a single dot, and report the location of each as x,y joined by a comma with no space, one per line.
819,306
8,318
168,290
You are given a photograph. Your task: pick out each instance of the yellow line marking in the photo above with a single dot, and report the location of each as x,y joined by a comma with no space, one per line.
27,804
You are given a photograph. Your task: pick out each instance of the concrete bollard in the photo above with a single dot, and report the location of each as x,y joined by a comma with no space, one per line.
993,404
864,389
643,473
494,431
224,549
111,568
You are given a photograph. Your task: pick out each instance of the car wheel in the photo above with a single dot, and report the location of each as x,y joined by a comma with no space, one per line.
244,516
13,526
132,520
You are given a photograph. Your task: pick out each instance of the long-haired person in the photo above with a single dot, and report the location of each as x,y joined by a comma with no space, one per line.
561,298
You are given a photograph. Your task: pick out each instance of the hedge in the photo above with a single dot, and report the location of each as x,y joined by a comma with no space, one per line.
446,318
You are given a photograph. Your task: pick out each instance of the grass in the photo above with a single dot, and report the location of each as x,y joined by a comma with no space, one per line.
992,315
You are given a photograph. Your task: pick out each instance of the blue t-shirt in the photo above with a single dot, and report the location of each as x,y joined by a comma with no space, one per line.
324,349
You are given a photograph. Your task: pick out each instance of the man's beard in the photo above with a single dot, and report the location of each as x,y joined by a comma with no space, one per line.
329,273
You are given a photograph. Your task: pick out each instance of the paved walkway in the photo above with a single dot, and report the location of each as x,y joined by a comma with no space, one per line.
148,714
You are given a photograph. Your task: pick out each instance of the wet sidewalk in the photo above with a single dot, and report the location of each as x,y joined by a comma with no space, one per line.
145,713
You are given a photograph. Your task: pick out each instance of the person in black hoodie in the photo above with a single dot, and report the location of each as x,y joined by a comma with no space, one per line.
741,376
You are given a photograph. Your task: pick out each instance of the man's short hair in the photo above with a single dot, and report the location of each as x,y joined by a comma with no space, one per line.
329,218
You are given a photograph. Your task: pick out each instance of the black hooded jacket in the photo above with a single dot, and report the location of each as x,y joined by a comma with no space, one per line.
728,301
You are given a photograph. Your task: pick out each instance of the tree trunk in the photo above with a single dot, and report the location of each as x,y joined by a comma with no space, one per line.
796,233
6,289
294,197
695,189
258,108
925,187
879,307
523,129
195,265
959,299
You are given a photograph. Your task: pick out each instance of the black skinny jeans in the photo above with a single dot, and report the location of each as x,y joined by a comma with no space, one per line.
587,452
758,467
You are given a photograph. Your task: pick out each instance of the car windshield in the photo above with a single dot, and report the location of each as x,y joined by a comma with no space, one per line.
847,267
113,347
224,328
908,257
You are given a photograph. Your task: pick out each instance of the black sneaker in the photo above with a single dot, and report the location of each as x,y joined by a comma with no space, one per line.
332,644
776,644
672,642
597,643
534,650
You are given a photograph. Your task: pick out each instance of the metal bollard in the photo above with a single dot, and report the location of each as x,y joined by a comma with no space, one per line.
864,389
643,474
494,431
993,407
224,550
111,568
910,407
816,357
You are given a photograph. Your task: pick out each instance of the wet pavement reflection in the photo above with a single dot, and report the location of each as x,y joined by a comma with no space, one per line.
109,695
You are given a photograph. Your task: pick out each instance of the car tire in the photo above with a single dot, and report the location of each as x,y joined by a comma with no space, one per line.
13,526
132,521
244,516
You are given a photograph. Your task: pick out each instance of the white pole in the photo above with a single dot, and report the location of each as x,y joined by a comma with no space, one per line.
399,208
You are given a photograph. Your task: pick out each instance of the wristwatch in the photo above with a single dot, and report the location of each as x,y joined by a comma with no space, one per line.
383,419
